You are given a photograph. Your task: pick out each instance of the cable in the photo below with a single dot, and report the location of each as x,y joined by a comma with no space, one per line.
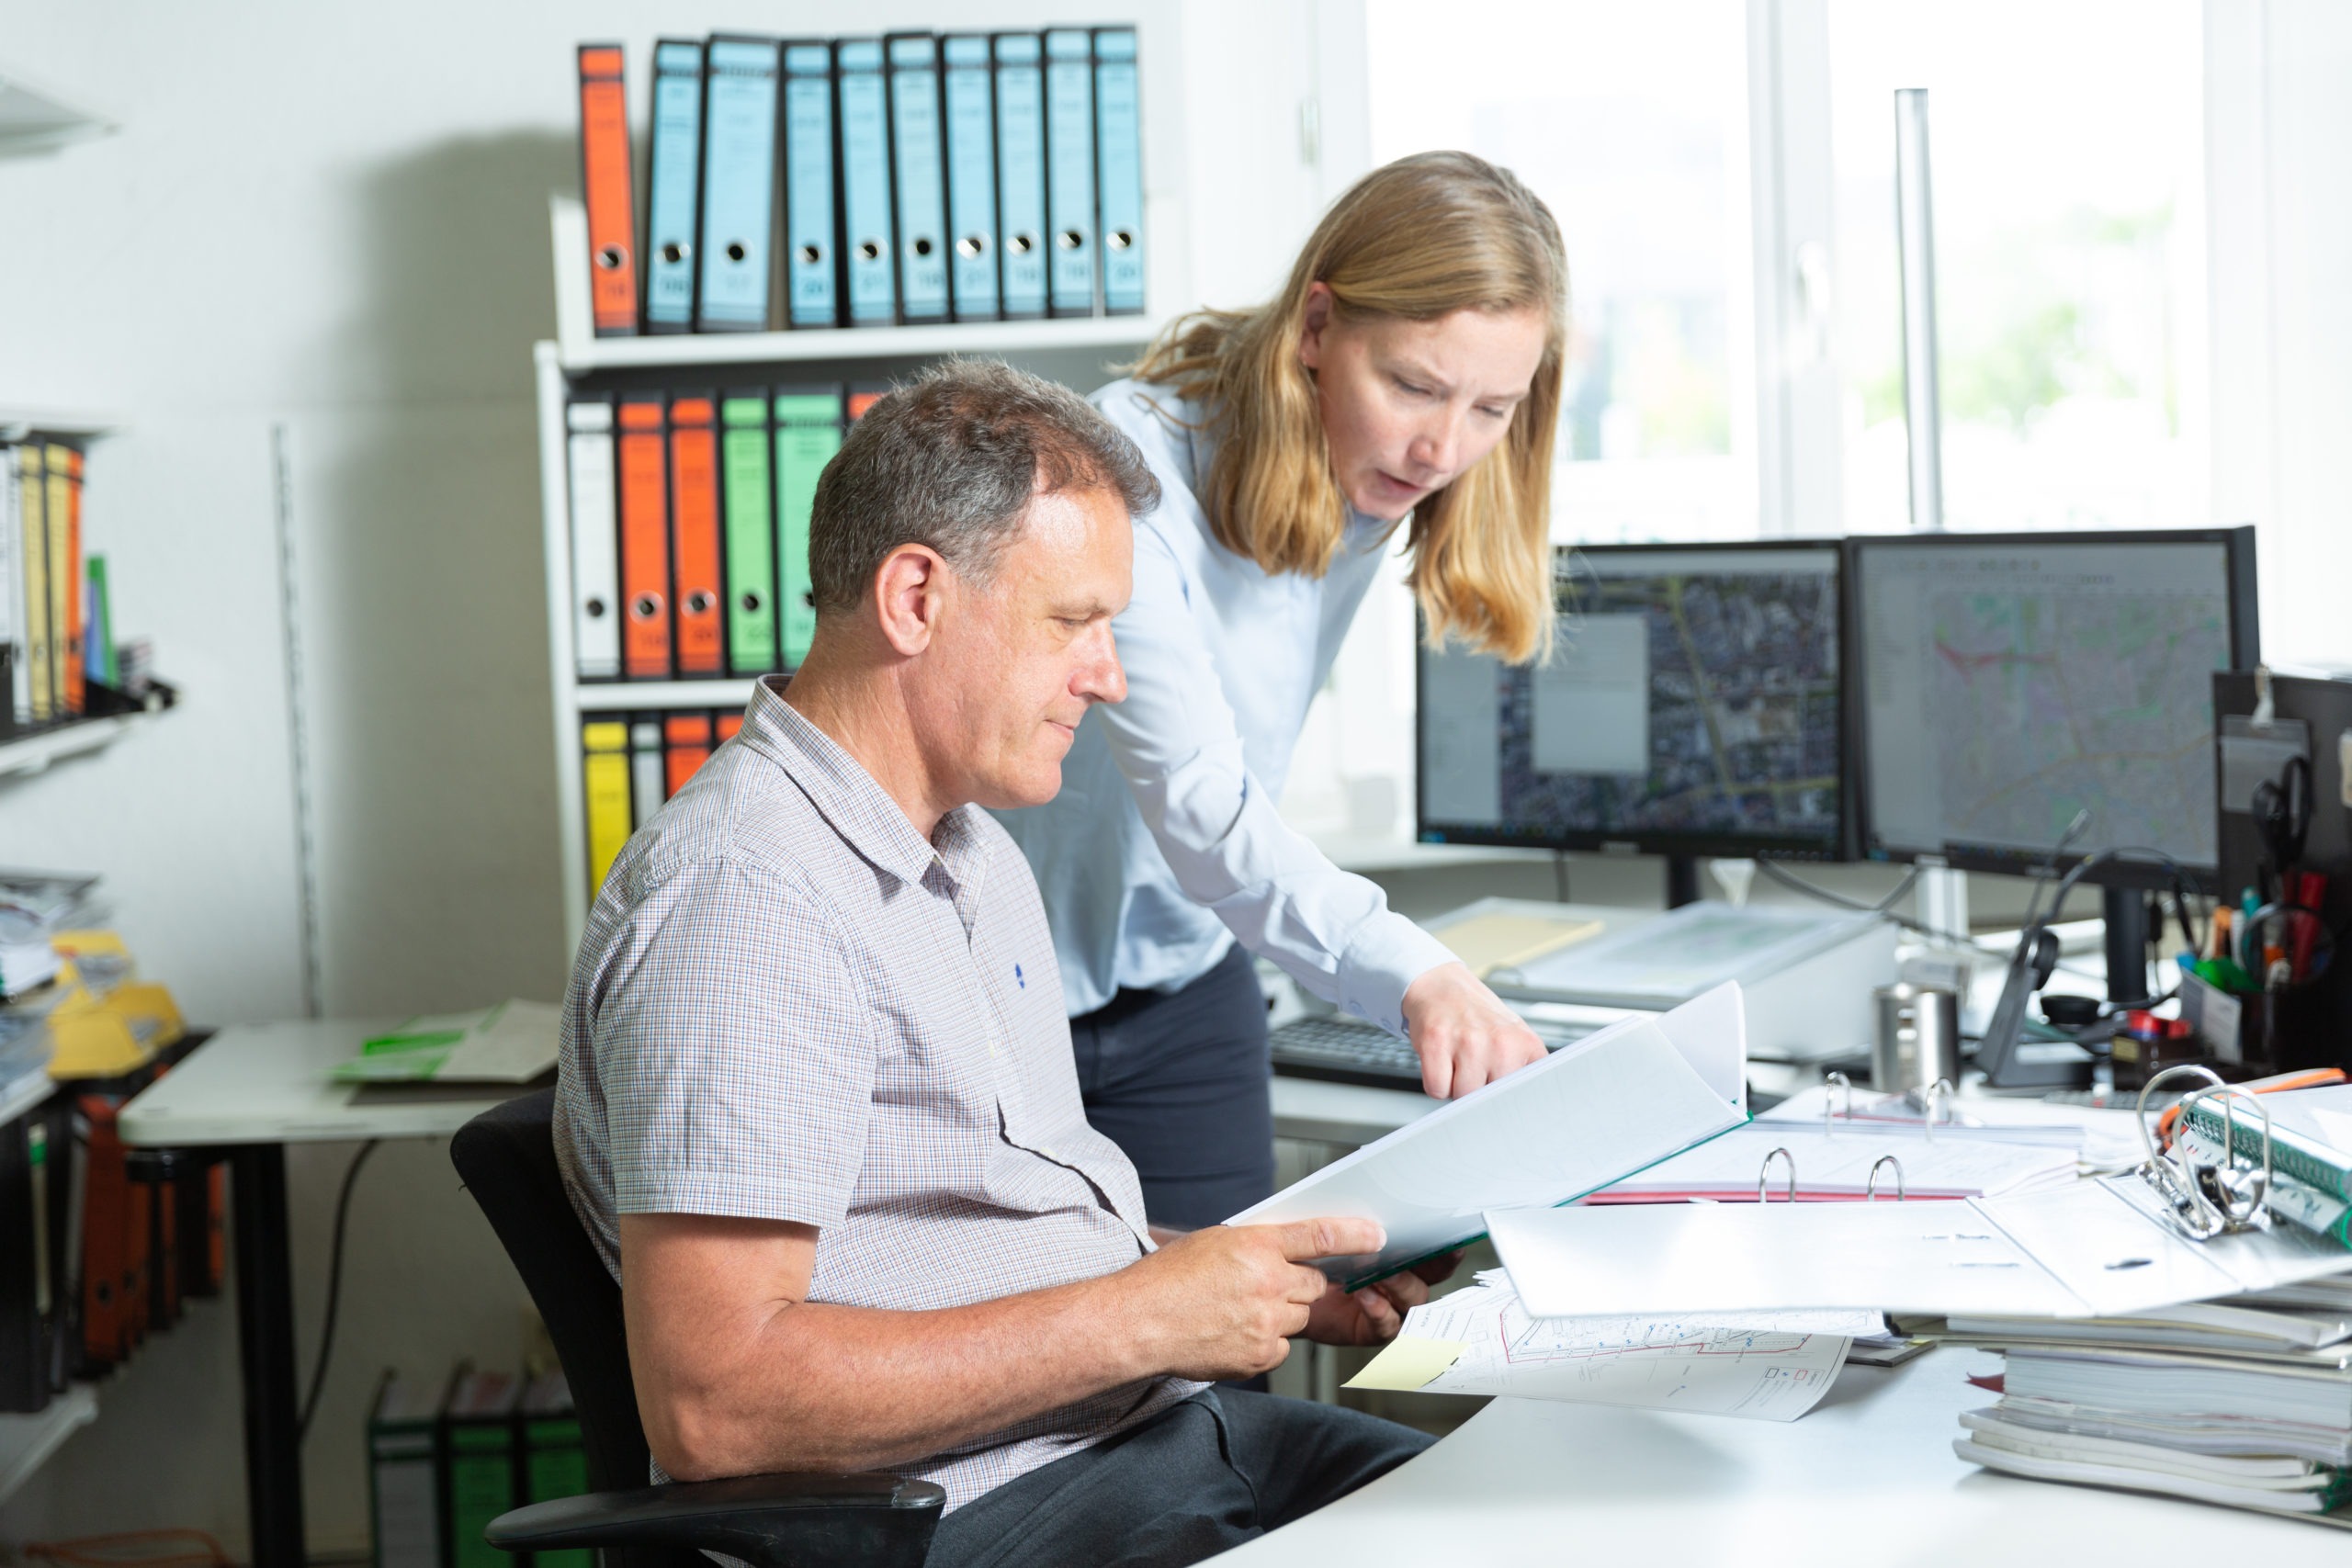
1560,873
1788,880
334,1289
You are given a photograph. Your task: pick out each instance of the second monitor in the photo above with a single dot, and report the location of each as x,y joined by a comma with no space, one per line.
1693,707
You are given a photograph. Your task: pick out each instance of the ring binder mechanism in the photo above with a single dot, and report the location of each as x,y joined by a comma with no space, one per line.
1829,1117
2203,1201
1935,1105
1764,1175
1883,1162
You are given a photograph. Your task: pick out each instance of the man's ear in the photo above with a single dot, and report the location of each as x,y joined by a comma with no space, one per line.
909,595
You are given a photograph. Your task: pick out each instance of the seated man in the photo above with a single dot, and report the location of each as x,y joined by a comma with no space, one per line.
818,1108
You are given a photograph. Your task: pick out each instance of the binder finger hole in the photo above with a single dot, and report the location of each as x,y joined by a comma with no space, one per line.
972,245
645,606
699,603
751,603
596,608
1070,239
922,246
609,257
735,251
812,254
1118,239
869,250
1021,244
673,253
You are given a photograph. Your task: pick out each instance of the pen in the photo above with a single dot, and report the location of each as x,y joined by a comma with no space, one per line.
2311,893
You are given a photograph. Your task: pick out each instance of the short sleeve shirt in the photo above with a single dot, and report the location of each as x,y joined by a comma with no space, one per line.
789,1005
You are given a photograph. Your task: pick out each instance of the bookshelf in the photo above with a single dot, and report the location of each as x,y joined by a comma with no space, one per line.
1082,352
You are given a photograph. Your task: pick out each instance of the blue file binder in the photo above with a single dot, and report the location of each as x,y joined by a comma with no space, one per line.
1021,172
1118,154
1070,169
739,183
918,182
811,263
867,244
967,93
672,179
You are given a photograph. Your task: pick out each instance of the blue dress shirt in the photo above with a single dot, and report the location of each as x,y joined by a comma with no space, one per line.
1164,845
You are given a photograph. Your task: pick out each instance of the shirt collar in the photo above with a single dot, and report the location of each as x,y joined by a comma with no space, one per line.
859,809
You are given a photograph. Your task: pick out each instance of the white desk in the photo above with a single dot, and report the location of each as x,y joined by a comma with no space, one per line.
243,1095
1867,1479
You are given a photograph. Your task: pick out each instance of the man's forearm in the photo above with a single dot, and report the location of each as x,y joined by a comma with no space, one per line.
837,1388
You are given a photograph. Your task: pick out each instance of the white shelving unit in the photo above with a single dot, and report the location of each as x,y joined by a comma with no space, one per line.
32,754
26,1441
578,359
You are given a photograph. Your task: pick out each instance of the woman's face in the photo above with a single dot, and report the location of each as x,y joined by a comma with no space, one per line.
1408,406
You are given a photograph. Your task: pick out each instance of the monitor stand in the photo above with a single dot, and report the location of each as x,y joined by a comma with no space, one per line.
1681,880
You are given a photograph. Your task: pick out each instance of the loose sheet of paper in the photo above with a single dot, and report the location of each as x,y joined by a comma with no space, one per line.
1479,1340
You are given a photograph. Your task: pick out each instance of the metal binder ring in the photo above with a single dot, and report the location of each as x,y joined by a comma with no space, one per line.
1836,1080
1764,1175
1938,1100
1869,1192
2191,1212
2232,1190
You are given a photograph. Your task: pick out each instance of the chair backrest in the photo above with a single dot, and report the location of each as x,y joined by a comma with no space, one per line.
507,1158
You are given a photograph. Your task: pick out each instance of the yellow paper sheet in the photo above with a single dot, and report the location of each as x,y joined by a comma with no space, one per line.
1488,942
1409,1364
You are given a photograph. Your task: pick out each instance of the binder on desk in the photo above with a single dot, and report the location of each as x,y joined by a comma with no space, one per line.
644,472
1069,170
31,480
596,546
686,746
917,180
868,244
1021,173
812,288
967,95
603,777
749,498
645,790
64,508
808,432
604,185
739,184
693,533
674,186
1118,150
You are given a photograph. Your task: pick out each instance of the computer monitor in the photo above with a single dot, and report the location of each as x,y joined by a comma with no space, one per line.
2007,681
1693,705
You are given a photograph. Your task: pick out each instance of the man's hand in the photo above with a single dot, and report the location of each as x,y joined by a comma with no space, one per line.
1464,1034
1374,1315
1224,1301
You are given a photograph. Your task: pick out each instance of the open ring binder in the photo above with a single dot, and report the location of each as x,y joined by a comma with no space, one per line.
1828,1117
1883,1162
1764,1175
2203,1201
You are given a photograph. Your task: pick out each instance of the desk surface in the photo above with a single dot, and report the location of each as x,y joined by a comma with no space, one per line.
1868,1478
267,1083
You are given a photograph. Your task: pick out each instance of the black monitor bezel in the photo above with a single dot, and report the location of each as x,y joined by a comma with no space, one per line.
1839,847
2246,651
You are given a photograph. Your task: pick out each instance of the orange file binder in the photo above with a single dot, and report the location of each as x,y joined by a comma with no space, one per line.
645,540
686,738
730,724
604,184
693,518
863,398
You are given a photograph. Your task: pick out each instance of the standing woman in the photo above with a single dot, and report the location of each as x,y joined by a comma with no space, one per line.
1408,375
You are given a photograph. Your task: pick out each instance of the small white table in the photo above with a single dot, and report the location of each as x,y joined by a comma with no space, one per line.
243,1095
1867,1479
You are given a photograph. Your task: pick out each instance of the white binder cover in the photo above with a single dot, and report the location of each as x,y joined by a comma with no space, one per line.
1622,1098
2090,1249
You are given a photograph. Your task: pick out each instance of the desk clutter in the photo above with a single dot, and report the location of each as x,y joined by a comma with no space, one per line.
443,1462
95,1254
862,182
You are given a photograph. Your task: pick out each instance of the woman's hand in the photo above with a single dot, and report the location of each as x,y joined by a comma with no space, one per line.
1464,1034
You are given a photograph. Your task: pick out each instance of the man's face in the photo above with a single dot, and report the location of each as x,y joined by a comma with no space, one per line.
1016,663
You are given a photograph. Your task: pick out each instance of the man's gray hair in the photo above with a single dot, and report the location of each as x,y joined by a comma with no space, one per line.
950,461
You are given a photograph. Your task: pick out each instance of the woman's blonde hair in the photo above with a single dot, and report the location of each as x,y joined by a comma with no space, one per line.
1418,238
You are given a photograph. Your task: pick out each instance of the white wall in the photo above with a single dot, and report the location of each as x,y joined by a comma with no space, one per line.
330,220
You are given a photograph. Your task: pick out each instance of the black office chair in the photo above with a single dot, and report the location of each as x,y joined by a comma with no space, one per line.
506,1157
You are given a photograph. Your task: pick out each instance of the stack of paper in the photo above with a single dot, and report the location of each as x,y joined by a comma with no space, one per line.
34,907
1480,1340
512,1041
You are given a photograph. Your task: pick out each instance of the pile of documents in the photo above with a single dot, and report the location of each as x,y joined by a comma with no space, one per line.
2244,1402
34,907
509,1042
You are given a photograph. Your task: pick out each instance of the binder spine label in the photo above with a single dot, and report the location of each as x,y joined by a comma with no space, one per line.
738,176
917,180
1119,158
1021,239
969,107
645,543
604,185
868,244
750,535
1069,170
596,562
810,259
672,179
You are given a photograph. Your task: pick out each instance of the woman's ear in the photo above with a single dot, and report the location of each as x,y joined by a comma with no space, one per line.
1318,317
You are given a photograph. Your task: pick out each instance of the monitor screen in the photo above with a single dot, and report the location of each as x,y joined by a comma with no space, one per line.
1692,705
2008,681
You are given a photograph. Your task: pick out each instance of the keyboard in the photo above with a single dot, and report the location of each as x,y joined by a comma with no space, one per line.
1346,1050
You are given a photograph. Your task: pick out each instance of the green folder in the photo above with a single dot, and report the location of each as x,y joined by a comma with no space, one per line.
751,534
808,432
554,1464
478,1463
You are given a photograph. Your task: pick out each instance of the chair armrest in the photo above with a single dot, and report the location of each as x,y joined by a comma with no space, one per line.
770,1521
